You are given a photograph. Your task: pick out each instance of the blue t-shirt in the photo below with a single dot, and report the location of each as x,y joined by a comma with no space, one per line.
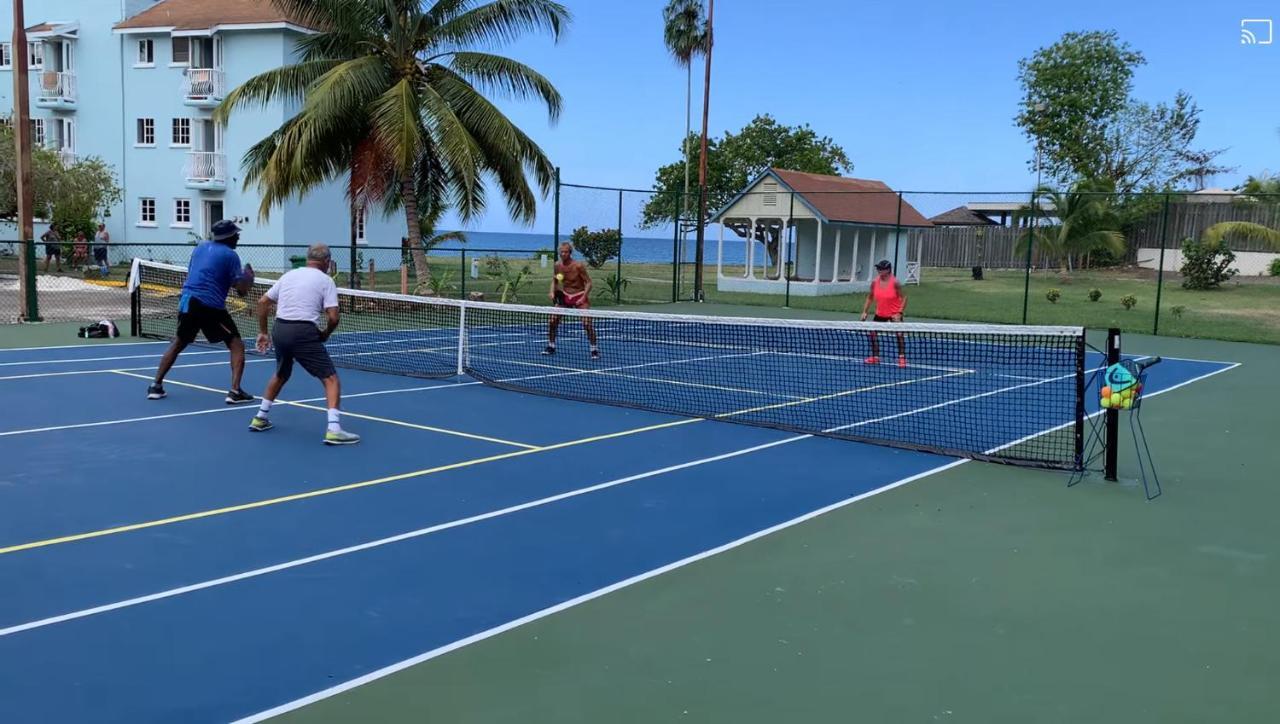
214,268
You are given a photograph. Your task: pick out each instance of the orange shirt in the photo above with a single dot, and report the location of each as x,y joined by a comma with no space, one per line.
888,301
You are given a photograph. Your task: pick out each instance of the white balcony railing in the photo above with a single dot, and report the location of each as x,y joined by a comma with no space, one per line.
55,86
67,157
206,168
203,84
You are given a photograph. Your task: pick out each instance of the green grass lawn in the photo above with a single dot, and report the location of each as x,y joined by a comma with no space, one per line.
1246,310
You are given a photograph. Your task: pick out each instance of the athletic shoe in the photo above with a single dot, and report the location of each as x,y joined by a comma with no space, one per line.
595,353
236,397
549,350
902,361
156,392
260,424
872,360
341,437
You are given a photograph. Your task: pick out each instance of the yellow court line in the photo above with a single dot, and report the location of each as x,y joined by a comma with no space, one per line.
336,489
371,418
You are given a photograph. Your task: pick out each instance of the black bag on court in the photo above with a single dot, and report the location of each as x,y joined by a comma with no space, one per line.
100,330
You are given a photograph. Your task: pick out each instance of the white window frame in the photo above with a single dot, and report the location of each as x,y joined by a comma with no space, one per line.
150,61
141,133
6,56
39,132
178,223
174,136
142,212
173,62
35,55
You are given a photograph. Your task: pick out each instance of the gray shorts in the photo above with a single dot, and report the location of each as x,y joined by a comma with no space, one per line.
300,341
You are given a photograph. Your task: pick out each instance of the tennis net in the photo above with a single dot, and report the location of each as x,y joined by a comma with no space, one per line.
998,393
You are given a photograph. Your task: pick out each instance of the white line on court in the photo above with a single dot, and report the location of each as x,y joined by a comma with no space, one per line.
598,593
78,346
224,408
128,603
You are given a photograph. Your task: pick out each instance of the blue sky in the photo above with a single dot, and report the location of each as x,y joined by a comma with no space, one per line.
920,94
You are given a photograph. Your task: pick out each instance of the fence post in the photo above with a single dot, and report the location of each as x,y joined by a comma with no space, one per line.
555,229
617,289
897,237
1031,243
465,273
29,282
791,210
675,257
700,239
1164,234
353,278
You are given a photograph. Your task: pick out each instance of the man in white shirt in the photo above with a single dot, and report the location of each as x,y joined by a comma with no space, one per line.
303,297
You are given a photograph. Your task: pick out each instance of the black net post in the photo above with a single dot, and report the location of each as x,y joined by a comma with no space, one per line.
1081,387
1112,415
353,280
617,289
1164,234
791,210
465,272
135,311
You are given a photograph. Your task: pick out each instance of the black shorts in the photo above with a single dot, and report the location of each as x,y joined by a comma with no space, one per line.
51,250
300,341
878,318
100,255
216,324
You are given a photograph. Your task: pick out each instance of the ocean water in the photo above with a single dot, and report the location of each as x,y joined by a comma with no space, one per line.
635,249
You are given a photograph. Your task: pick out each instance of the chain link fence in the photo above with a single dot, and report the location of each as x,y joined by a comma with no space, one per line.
1195,265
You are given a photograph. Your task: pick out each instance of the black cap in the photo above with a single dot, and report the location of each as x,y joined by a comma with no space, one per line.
884,264
223,230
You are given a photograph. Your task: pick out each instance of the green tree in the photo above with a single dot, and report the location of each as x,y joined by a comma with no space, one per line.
1077,108
1218,234
393,95
685,34
71,197
1084,223
734,160
1263,187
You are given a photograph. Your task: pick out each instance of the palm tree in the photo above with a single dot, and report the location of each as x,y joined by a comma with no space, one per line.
1242,230
1085,223
427,224
685,33
391,96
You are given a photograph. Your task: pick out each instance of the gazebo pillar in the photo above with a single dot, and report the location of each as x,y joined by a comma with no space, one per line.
817,255
835,264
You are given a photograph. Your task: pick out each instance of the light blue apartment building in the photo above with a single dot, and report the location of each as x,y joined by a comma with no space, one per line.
135,82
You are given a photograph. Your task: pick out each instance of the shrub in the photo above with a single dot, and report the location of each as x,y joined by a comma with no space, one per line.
1274,269
1095,295
1053,295
1177,311
1128,301
597,247
616,285
1206,266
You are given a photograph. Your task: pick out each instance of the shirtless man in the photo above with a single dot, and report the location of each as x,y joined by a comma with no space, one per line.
571,288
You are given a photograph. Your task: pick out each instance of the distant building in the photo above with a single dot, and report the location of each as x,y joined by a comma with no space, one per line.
135,83
839,228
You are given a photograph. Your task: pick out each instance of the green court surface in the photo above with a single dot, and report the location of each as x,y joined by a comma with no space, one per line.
982,593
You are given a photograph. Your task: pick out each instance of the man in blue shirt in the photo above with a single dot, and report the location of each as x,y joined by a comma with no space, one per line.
214,270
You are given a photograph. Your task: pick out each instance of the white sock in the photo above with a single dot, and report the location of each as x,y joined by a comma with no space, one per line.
264,408
333,420
552,345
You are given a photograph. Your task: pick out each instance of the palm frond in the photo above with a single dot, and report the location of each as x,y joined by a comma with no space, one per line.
502,21
1242,230
284,84
684,30
492,73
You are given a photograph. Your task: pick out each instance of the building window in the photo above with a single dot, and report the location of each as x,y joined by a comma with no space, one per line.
146,52
181,51
182,212
146,212
35,57
146,131
360,225
181,132
6,56
37,132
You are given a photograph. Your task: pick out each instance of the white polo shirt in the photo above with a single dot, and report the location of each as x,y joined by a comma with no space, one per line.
303,294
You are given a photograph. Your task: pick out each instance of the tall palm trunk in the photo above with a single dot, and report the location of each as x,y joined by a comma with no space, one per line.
409,195
688,126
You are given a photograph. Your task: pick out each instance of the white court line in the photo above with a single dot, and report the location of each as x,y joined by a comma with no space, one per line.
225,408
102,359
128,603
78,346
639,578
